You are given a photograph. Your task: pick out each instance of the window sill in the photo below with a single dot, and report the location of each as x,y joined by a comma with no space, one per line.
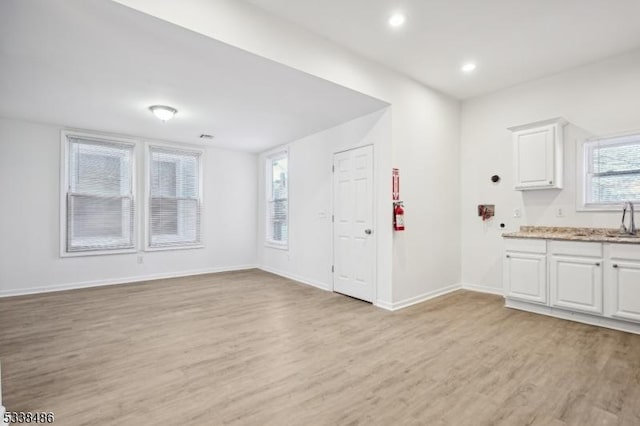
605,208
167,248
276,246
97,252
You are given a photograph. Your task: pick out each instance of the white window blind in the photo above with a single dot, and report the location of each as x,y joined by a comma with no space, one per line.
278,199
100,201
612,170
174,198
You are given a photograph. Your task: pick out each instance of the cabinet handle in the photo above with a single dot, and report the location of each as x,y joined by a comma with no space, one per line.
615,265
508,256
597,263
550,182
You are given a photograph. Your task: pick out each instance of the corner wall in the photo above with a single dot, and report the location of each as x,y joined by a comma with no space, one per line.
29,219
310,252
597,99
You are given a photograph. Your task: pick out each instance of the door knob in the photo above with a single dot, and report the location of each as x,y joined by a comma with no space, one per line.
368,231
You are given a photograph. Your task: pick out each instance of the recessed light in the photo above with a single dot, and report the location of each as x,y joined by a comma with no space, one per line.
468,67
163,112
397,20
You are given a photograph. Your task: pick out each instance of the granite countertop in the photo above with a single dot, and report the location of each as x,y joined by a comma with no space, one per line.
597,235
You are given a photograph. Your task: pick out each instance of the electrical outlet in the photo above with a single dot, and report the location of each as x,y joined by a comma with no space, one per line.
517,213
140,260
559,212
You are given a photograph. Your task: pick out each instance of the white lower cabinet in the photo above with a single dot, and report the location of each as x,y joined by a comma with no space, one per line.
576,283
526,274
623,282
575,276
592,282
525,270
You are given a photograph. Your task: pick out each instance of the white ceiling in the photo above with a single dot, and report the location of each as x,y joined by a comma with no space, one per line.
97,65
512,41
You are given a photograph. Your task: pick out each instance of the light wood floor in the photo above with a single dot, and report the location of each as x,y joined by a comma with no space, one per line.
253,348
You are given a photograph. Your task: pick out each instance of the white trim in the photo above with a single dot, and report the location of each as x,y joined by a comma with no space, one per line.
482,289
180,247
63,189
388,306
374,219
417,299
574,316
271,244
118,281
269,157
293,277
581,166
560,121
98,252
201,153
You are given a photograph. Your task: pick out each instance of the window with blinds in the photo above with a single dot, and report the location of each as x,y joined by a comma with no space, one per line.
277,207
612,171
99,195
174,198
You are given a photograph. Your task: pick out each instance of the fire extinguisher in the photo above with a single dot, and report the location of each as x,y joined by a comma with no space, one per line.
398,216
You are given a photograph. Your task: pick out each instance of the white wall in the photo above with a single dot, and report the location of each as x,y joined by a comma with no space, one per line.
597,99
425,129
29,219
309,255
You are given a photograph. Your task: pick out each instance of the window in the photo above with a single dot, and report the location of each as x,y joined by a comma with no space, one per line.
277,208
174,198
611,171
99,198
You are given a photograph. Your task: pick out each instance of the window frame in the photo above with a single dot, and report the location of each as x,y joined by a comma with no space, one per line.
147,196
584,156
65,179
270,157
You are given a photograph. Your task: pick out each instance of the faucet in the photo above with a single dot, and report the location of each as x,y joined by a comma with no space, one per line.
632,226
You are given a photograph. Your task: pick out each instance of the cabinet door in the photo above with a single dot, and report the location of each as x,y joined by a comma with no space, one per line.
576,283
534,157
525,277
624,290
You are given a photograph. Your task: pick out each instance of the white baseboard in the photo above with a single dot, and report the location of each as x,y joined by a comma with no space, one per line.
126,280
417,299
483,289
297,278
384,305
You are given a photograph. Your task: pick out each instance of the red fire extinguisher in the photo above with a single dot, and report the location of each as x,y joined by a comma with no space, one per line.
398,216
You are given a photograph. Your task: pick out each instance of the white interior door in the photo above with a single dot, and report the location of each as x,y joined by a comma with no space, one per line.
353,233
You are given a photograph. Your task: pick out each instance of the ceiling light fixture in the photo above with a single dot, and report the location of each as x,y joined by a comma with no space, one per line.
468,67
163,112
397,20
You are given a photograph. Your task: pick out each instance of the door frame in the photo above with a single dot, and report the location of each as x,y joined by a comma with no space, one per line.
374,219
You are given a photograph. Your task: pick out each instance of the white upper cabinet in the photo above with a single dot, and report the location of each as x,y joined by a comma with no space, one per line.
538,154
